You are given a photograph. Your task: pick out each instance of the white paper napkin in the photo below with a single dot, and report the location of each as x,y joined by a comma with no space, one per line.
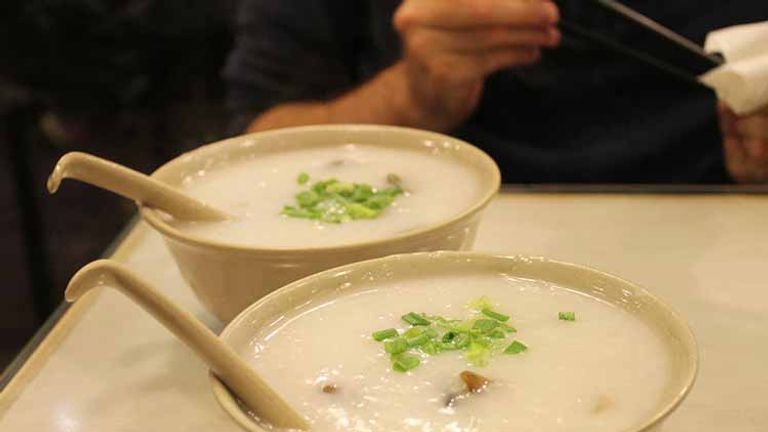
742,82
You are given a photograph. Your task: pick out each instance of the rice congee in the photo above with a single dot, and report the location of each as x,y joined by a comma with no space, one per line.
349,193
465,351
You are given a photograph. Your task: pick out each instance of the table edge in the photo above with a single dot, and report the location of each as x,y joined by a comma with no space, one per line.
56,327
635,189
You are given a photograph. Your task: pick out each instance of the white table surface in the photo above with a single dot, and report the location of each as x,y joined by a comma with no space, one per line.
106,366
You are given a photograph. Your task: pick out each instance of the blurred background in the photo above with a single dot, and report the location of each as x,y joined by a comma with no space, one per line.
135,81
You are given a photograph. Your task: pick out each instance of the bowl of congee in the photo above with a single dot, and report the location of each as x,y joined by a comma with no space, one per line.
465,342
306,199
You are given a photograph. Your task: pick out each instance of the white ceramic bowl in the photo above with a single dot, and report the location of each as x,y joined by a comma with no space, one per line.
329,284
227,278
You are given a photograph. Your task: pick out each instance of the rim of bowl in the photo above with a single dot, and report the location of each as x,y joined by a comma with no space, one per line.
229,403
154,219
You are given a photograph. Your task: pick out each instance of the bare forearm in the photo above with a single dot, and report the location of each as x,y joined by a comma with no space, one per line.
449,48
385,99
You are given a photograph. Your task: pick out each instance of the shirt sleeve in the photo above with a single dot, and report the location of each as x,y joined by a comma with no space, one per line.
285,50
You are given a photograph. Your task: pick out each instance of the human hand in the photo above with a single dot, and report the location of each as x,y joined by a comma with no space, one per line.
450,47
745,142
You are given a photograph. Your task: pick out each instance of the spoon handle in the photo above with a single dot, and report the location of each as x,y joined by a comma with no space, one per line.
221,358
130,184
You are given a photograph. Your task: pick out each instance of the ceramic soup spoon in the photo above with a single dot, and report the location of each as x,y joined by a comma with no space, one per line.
241,378
131,184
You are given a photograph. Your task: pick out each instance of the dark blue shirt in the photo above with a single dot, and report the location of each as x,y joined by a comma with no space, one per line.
583,114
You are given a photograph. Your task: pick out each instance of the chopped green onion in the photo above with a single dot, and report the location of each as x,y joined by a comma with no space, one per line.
480,304
485,325
479,338
361,193
413,332
308,198
462,340
567,316
463,326
482,339
379,202
515,347
418,340
359,211
384,334
396,346
320,186
296,212
478,354
332,201
431,347
415,319
508,328
497,334
405,362
340,188
495,315
449,336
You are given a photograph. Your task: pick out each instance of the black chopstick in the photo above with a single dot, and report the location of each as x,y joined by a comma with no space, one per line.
625,11
598,39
